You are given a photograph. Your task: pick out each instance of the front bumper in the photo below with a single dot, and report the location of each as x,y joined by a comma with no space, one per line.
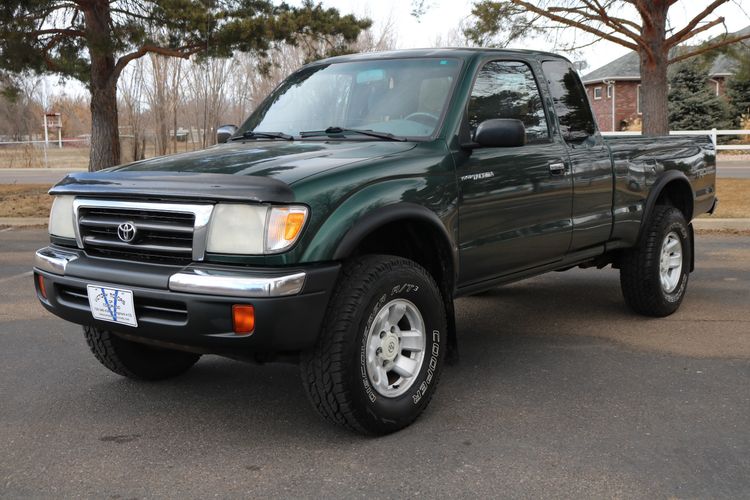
191,306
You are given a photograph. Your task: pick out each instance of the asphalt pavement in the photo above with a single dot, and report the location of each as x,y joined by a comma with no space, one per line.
733,168
560,392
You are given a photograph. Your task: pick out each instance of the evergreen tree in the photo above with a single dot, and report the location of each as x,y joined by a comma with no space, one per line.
693,104
93,41
738,92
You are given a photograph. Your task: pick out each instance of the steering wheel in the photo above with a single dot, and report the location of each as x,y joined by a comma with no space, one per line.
420,114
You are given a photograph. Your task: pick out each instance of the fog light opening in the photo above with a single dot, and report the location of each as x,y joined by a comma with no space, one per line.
243,319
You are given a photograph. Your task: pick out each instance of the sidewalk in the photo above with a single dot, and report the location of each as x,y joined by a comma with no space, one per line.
713,224
22,222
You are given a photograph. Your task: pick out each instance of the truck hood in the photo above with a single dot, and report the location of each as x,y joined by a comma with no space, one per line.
246,171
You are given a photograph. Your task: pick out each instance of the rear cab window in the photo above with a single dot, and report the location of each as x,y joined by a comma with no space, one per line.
569,100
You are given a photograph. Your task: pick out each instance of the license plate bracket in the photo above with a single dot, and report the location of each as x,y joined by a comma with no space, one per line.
112,304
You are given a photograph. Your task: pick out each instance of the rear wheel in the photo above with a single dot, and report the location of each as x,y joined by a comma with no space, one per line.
654,275
381,349
134,360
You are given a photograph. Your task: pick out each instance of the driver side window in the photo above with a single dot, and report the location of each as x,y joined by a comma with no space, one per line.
507,89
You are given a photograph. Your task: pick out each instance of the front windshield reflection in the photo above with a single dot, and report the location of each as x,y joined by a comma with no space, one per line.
403,97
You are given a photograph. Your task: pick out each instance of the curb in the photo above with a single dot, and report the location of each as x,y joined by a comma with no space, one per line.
711,224
23,221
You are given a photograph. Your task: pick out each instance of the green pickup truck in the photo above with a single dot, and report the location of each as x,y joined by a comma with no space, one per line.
338,224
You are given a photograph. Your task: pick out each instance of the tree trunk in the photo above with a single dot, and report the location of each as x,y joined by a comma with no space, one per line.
160,67
105,138
654,59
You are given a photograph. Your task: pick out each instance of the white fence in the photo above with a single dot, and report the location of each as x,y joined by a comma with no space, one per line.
713,133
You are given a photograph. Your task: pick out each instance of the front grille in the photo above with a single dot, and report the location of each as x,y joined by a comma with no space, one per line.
161,236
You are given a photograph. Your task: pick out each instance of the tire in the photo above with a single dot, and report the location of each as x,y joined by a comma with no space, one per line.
649,288
381,302
134,360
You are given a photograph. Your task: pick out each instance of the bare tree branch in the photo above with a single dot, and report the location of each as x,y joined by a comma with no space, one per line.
684,33
705,27
182,52
576,24
615,23
709,47
58,31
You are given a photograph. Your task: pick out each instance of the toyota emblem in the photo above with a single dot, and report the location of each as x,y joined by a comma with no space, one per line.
126,232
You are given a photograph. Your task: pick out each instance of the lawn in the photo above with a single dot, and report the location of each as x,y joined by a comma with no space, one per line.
24,200
734,198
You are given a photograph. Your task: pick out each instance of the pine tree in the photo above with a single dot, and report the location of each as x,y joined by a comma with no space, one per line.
738,92
693,104
94,40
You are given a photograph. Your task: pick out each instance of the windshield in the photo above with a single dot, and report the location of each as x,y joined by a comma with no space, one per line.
403,97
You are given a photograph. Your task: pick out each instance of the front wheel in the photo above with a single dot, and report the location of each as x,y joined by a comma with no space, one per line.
654,275
135,360
381,348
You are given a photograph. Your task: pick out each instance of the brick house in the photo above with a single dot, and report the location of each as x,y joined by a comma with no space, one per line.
614,89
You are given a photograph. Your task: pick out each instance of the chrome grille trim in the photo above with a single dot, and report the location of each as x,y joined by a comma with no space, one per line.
200,212
148,226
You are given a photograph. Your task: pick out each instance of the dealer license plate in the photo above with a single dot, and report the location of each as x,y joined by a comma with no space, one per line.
112,304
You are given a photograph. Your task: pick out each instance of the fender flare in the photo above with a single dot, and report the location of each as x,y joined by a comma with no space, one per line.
391,213
399,211
668,177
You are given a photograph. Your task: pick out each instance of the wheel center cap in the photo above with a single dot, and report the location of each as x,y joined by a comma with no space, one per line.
389,347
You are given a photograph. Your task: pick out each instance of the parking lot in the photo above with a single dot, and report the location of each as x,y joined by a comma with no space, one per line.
560,392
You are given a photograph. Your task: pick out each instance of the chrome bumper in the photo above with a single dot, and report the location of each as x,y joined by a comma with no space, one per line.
211,282
52,260
196,280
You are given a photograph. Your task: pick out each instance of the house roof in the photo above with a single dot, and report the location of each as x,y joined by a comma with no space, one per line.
627,67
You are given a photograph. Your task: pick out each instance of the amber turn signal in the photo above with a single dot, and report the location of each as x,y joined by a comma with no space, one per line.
243,319
294,222
42,289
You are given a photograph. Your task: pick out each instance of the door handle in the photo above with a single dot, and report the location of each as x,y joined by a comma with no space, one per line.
556,168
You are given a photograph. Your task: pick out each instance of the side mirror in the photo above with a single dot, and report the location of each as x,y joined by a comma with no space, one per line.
224,132
500,133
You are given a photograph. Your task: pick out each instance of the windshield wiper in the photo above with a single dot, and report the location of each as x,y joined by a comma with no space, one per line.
343,131
250,134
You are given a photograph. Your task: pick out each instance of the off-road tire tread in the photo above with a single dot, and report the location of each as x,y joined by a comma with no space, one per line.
637,266
101,343
322,368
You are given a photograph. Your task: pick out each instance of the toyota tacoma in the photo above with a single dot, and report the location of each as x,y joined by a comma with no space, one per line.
337,225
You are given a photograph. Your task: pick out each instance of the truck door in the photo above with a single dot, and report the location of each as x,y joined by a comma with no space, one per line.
591,165
515,202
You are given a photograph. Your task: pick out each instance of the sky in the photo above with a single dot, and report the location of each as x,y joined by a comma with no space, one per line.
444,15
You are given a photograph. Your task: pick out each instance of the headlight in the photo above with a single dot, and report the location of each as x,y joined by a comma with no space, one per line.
61,217
254,229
